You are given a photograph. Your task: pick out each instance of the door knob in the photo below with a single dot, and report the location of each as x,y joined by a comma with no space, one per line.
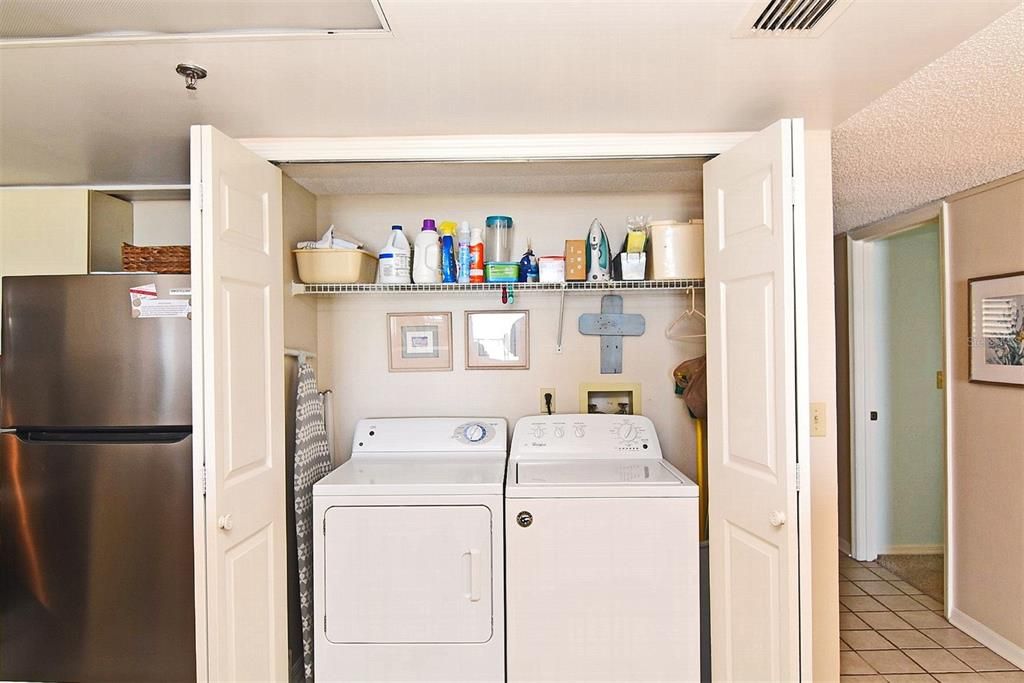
777,518
524,519
225,522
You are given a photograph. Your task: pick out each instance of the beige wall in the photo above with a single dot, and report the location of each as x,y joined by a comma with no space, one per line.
299,207
985,233
843,442
162,221
822,352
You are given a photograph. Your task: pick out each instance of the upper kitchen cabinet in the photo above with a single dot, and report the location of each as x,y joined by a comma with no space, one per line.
62,231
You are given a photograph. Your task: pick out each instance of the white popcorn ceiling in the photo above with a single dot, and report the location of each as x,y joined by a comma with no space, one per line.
955,124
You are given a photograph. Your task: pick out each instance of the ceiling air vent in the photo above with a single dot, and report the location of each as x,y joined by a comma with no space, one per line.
794,17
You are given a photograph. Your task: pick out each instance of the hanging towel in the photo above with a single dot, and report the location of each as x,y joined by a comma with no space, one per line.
312,462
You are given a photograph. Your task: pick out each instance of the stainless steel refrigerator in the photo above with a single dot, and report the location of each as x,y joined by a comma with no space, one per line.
96,479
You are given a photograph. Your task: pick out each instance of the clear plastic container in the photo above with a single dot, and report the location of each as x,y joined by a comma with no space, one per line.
498,239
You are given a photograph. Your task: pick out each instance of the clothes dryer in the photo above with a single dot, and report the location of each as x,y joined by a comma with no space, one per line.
408,554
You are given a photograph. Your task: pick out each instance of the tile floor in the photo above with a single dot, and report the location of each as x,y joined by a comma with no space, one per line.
891,631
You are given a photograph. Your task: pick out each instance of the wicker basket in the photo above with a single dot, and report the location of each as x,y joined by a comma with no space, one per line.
164,259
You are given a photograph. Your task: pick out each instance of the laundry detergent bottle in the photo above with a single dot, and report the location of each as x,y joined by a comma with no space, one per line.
449,266
394,264
476,255
426,257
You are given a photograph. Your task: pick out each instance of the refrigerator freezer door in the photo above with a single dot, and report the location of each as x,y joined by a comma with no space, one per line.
96,572
75,357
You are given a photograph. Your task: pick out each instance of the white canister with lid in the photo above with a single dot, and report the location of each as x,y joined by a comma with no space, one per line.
676,250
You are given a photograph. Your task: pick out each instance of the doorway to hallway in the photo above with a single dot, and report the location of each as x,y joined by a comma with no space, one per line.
899,456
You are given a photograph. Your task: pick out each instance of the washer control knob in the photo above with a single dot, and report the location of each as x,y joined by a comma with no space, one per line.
578,431
524,519
627,432
559,432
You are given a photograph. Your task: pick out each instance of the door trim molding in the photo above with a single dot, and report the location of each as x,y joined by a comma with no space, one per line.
493,147
198,408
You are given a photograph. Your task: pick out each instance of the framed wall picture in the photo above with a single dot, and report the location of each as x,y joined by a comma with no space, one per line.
997,329
419,342
497,340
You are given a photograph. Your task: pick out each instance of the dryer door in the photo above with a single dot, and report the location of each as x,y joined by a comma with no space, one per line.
408,574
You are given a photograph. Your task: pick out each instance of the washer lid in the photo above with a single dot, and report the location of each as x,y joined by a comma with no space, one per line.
598,478
376,476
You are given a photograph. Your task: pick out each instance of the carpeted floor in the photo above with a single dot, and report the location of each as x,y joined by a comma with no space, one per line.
923,572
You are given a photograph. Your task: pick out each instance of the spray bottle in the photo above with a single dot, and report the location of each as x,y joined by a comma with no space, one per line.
464,257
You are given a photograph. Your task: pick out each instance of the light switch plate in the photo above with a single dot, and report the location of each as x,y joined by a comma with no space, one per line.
818,419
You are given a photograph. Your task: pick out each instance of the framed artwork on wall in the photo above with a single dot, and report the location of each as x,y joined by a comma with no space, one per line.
996,340
419,342
497,340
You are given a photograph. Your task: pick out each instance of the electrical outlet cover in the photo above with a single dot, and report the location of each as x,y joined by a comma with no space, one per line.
543,404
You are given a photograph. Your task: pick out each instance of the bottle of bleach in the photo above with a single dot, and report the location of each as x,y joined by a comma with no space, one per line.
426,258
393,268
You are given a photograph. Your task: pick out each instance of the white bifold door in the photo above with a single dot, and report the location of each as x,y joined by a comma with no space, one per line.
757,393
238,412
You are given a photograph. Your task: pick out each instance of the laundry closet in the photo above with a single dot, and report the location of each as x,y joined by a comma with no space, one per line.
248,214
551,202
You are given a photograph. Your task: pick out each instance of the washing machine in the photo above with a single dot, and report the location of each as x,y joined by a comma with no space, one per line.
602,554
408,560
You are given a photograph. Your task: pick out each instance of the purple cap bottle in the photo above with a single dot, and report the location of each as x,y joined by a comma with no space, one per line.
428,224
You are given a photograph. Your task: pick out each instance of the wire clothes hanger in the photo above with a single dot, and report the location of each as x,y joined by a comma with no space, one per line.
687,314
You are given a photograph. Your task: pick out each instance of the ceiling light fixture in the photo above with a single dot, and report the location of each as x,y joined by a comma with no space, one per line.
192,73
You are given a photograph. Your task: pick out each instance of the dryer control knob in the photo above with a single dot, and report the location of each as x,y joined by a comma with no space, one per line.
474,433
524,519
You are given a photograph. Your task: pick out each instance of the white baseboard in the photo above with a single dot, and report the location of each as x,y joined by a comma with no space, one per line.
844,547
1006,649
934,549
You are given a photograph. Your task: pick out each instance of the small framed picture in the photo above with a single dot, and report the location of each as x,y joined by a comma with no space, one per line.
997,329
497,340
419,342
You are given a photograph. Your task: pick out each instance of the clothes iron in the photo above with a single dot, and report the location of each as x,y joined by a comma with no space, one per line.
598,256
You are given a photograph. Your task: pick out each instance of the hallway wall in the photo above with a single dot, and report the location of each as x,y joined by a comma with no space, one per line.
985,236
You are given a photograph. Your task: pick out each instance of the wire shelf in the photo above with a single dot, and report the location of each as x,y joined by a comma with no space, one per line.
329,289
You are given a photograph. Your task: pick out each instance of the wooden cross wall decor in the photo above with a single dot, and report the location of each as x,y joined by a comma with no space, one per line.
612,325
